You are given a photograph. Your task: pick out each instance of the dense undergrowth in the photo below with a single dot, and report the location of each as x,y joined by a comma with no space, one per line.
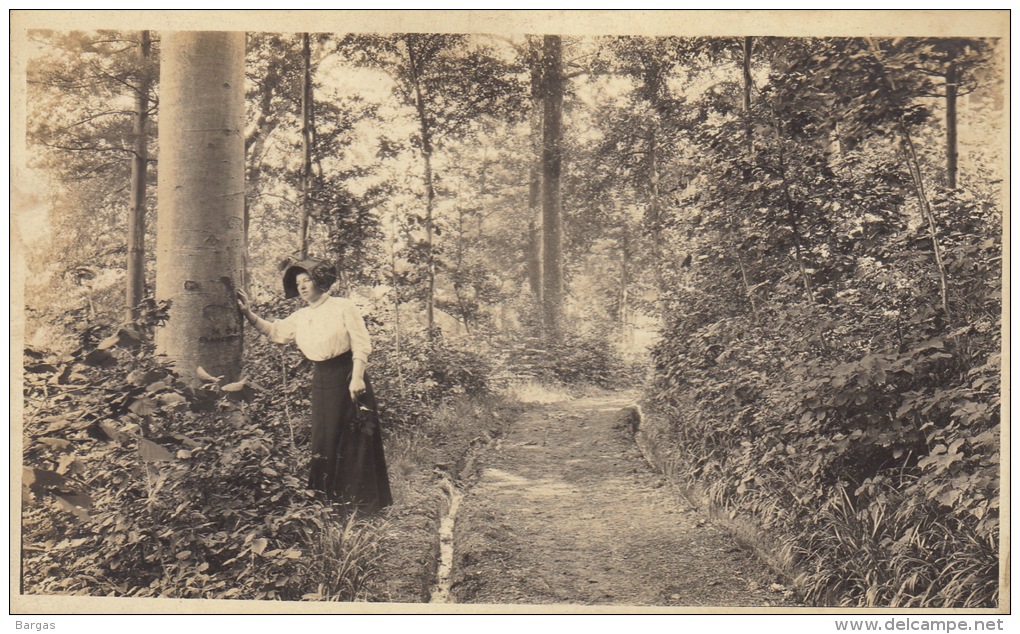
831,359
137,485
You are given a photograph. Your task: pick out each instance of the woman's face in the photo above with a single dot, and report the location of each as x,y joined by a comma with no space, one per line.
307,288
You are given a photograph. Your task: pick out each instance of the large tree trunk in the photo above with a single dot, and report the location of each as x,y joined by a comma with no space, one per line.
552,212
952,87
201,200
139,180
306,140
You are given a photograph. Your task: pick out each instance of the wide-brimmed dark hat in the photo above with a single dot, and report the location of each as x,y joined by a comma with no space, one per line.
323,274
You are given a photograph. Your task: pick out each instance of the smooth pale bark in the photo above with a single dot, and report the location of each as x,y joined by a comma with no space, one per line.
201,200
139,167
552,208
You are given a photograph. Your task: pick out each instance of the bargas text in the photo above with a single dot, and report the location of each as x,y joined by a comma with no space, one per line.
38,627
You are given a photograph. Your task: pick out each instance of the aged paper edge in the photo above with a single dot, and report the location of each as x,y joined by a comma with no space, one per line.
792,23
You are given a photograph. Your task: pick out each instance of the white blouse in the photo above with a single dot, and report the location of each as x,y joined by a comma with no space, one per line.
325,329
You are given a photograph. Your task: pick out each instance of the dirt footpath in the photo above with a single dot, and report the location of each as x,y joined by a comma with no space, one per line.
565,510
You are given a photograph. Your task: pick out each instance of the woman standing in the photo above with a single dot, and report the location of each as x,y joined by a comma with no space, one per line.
347,450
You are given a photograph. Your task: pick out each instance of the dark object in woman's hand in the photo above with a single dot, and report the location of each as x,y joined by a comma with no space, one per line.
364,418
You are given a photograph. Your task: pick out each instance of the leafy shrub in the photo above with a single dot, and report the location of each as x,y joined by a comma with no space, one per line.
412,381
819,379
574,361
137,485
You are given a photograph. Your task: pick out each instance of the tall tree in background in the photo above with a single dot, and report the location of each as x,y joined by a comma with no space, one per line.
201,200
139,180
307,110
552,204
448,82
94,147
535,65
270,66
634,164
953,65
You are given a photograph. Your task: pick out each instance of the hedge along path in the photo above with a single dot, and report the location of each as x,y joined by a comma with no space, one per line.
567,511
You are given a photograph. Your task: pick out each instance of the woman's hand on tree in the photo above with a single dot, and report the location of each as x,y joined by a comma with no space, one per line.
243,302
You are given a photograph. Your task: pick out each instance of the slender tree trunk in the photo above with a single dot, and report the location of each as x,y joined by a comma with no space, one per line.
535,260
306,139
952,87
652,86
749,140
430,191
139,180
654,207
458,286
747,45
621,313
748,125
914,166
201,200
397,334
791,213
552,210
254,146
747,287
535,277
922,198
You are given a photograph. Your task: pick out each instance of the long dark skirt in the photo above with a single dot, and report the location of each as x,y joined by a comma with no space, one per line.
347,447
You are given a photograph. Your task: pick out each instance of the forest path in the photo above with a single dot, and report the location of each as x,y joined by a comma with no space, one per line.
566,510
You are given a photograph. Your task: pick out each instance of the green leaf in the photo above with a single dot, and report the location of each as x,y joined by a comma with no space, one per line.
42,479
258,546
77,505
40,368
151,452
237,386
109,432
187,441
172,399
109,342
143,407
57,444
142,377
205,376
100,359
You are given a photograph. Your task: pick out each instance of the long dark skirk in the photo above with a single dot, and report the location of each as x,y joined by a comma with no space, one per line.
347,447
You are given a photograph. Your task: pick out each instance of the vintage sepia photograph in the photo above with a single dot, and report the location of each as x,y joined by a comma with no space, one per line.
509,311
